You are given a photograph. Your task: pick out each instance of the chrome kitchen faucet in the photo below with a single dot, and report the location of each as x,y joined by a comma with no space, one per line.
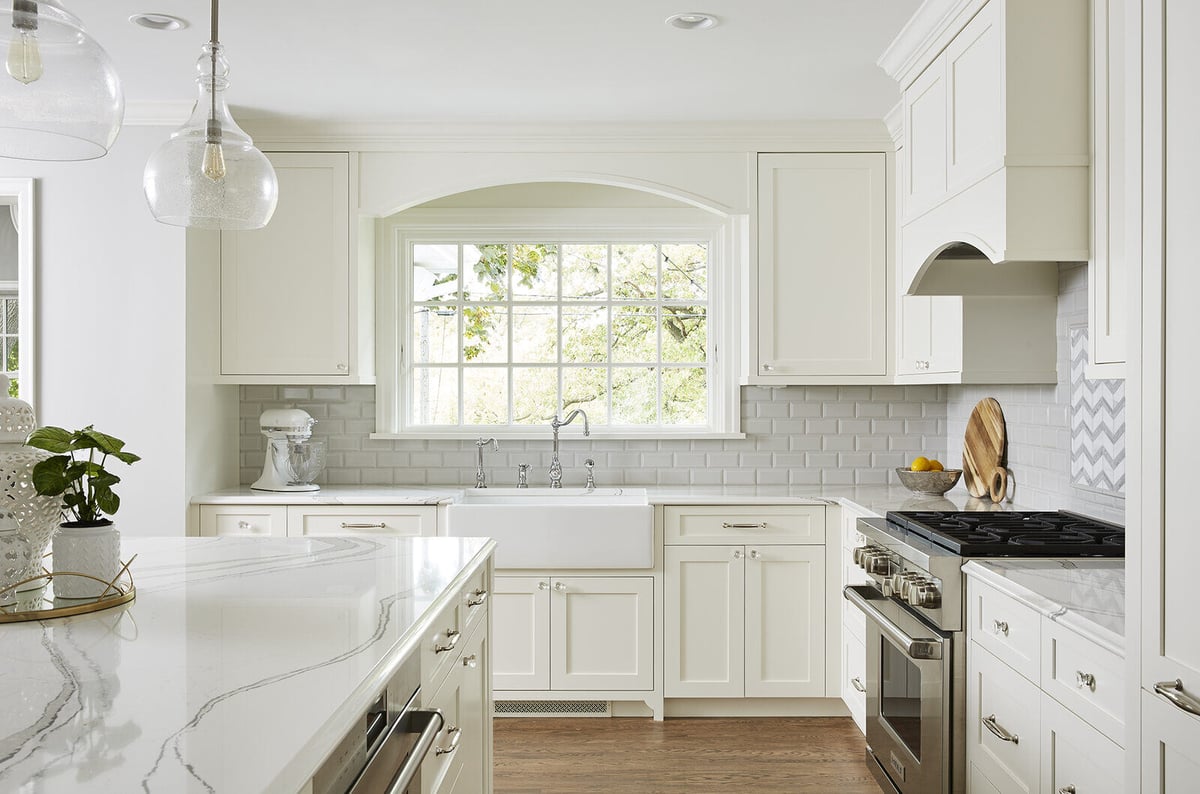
555,424
480,476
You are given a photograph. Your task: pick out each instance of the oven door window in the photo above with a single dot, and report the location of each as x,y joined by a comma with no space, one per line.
900,696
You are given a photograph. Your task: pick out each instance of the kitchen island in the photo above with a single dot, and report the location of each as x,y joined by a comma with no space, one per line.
239,666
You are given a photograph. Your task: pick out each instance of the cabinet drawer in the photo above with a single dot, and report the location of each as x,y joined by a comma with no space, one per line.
1075,756
267,520
1085,678
475,598
854,678
996,694
442,643
1010,630
854,622
711,525
365,520
443,764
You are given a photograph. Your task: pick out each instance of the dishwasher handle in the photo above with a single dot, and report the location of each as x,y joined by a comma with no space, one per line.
391,753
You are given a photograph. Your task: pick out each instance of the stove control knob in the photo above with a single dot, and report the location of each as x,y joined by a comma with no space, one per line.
879,563
924,594
858,554
906,582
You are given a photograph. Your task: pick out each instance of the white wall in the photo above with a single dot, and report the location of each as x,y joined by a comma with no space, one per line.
111,322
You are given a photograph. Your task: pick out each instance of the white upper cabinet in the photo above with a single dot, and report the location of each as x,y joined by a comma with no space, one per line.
295,300
822,275
995,132
1108,274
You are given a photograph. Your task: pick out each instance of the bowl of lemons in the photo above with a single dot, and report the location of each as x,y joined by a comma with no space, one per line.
925,476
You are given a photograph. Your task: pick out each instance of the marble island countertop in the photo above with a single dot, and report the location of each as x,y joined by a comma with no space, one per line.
1087,595
875,498
238,667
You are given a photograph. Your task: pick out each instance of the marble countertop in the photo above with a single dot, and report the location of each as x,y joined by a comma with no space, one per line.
1086,595
237,668
873,498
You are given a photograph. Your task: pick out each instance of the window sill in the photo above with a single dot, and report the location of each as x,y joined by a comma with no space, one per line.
569,433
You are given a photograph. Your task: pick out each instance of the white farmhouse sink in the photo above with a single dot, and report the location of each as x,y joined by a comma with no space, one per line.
559,528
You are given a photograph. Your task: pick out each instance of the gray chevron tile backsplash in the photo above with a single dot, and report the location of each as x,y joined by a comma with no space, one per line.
1097,423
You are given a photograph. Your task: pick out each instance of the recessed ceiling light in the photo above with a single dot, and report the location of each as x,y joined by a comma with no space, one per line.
692,20
159,21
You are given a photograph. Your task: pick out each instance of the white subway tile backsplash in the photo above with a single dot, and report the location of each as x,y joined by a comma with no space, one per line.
803,435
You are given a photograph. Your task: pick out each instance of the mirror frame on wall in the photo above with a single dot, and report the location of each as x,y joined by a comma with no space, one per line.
19,192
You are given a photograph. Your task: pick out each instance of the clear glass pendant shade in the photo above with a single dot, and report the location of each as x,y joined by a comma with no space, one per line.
60,97
208,174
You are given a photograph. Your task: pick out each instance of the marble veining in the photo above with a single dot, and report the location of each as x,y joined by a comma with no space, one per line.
1088,595
239,665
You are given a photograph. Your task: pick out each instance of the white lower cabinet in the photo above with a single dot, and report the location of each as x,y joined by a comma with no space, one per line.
574,633
744,621
1044,712
313,520
852,683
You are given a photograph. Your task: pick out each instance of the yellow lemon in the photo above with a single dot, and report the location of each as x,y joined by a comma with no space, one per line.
920,463
936,465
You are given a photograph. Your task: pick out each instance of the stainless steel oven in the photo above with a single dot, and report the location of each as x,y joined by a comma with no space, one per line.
384,752
910,688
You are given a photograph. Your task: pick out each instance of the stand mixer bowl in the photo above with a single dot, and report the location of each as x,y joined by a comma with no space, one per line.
302,460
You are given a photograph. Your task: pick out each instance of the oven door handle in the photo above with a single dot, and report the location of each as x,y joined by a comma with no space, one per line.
916,648
430,723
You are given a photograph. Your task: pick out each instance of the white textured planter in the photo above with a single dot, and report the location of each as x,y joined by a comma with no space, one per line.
91,550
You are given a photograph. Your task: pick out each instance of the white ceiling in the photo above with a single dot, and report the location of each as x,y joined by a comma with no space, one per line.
517,60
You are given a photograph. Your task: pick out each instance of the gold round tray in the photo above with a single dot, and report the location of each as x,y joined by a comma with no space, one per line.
40,603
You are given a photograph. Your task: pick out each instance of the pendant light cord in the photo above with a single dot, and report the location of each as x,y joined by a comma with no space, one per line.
213,131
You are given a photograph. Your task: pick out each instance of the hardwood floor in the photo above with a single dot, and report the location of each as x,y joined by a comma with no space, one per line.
640,756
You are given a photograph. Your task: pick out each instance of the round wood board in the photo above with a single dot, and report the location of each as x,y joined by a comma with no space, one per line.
984,446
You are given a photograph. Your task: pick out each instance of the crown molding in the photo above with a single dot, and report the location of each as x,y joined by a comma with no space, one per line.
894,121
827,135
924,36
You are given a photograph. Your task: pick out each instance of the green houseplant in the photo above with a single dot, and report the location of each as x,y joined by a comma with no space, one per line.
86,487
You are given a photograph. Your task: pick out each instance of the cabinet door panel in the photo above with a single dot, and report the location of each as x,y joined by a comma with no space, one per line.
704,615
785,621
822,264
285,289
521,626
1013,704
1075,756
975,79
602,633
925,140
1170,747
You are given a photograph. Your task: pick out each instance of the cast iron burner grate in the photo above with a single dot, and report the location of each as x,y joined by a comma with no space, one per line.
1014,534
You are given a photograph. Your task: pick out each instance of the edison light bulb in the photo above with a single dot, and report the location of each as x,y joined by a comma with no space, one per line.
214,162
24,56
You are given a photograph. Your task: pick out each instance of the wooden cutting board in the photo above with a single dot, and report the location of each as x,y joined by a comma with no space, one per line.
984,446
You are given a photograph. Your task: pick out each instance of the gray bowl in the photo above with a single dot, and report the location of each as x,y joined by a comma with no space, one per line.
934,483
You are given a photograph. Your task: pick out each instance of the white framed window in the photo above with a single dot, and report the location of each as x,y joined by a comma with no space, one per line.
17,286
499,320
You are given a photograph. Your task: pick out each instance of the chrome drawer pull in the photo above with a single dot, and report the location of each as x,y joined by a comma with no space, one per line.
452,638
1000,627
477,597
454,740
1067,789
1083,679
727,525
1001,734
380,525
857,684
1173,691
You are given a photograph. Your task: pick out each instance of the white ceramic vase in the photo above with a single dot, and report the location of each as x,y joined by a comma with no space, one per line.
89,550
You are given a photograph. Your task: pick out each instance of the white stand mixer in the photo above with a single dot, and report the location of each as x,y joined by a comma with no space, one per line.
287,431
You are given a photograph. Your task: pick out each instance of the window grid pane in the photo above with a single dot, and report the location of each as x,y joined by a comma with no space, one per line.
496,326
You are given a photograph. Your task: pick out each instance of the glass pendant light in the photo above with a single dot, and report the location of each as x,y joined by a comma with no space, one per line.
208,174
60,98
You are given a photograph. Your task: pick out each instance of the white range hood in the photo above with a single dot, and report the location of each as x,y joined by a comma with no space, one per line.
994,155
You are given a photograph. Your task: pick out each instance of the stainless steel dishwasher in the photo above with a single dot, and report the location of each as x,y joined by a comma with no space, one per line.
384,751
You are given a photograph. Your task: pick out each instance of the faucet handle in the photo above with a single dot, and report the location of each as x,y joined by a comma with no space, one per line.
590,464
522,475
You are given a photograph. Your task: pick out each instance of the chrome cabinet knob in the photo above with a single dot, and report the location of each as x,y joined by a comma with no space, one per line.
1085,680
737,554
243,525
543,585
768,367
1000,627
342,367
1067,789
471,661
754,555
559,587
